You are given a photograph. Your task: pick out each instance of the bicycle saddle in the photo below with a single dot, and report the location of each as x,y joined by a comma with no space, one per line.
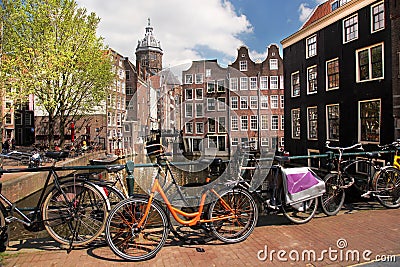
282,158
57,155
115,168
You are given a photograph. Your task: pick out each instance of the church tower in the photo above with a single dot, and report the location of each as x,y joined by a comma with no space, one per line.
149,53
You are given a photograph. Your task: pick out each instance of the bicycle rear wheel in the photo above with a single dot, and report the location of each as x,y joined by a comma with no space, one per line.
132,243
241,216
4,230
301,212
76,214
386,183
332,200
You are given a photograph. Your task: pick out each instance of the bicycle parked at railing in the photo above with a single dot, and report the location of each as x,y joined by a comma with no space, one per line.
73,211
293,191
395,147
365,174
137,228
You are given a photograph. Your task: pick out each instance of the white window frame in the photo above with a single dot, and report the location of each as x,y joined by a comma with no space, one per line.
243,65
208,73
274,122
188,78
265,141
191,127
211,87
221,84
234,123
244,83
291,83
199,78
327,77
274,82
234,141
273,64
221,105
274,99
264,122
373,17
311,46
297,110
187,93
234,102
359,121
358,80
186,110
208,104
315,79
245,100
200,123
244,118
233,84
264,104
198,90
328,137
263,82
253,83
346,36
309,122
282,101
253,102
220,120
199,115
254,122
282,122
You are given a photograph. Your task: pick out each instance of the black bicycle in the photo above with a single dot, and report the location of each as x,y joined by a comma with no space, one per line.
73,211
365,174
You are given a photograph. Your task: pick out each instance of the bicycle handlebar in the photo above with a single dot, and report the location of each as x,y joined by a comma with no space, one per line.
358,146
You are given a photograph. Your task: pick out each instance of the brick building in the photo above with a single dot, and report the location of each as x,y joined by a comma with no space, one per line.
256,99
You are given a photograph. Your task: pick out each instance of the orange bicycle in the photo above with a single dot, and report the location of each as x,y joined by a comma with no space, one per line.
137,228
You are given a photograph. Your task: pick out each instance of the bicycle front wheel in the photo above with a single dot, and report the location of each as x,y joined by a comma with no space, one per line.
386,184
333,198
233,216
301,212
76,214
128,241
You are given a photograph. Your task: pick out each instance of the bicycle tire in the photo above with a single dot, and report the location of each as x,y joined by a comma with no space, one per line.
4,230
83,208
245,212
333,198
131,243
386,184
301,212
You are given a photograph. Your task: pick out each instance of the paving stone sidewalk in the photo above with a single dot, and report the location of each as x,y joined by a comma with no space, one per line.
363,234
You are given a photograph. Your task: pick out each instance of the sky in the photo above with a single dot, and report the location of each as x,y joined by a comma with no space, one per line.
199,29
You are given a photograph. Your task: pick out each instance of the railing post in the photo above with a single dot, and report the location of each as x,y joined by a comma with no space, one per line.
130,178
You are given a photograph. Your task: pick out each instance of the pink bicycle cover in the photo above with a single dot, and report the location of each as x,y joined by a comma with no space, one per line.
297,182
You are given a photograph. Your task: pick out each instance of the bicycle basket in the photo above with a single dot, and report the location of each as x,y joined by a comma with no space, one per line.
301,184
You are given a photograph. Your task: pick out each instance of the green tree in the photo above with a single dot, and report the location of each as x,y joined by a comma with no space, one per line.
54,53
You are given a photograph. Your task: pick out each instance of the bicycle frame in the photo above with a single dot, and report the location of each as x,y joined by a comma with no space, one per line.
36,210
195,217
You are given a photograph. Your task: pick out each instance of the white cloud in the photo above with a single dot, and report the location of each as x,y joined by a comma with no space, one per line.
179,25
304,11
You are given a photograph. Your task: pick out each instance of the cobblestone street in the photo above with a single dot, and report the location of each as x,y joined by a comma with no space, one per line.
365,232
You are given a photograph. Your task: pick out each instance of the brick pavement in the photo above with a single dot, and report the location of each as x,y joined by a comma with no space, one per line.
367,227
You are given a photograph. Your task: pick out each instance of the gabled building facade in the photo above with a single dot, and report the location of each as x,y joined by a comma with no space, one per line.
339,79
257,100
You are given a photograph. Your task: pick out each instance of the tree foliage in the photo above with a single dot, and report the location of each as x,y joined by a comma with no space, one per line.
53,52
